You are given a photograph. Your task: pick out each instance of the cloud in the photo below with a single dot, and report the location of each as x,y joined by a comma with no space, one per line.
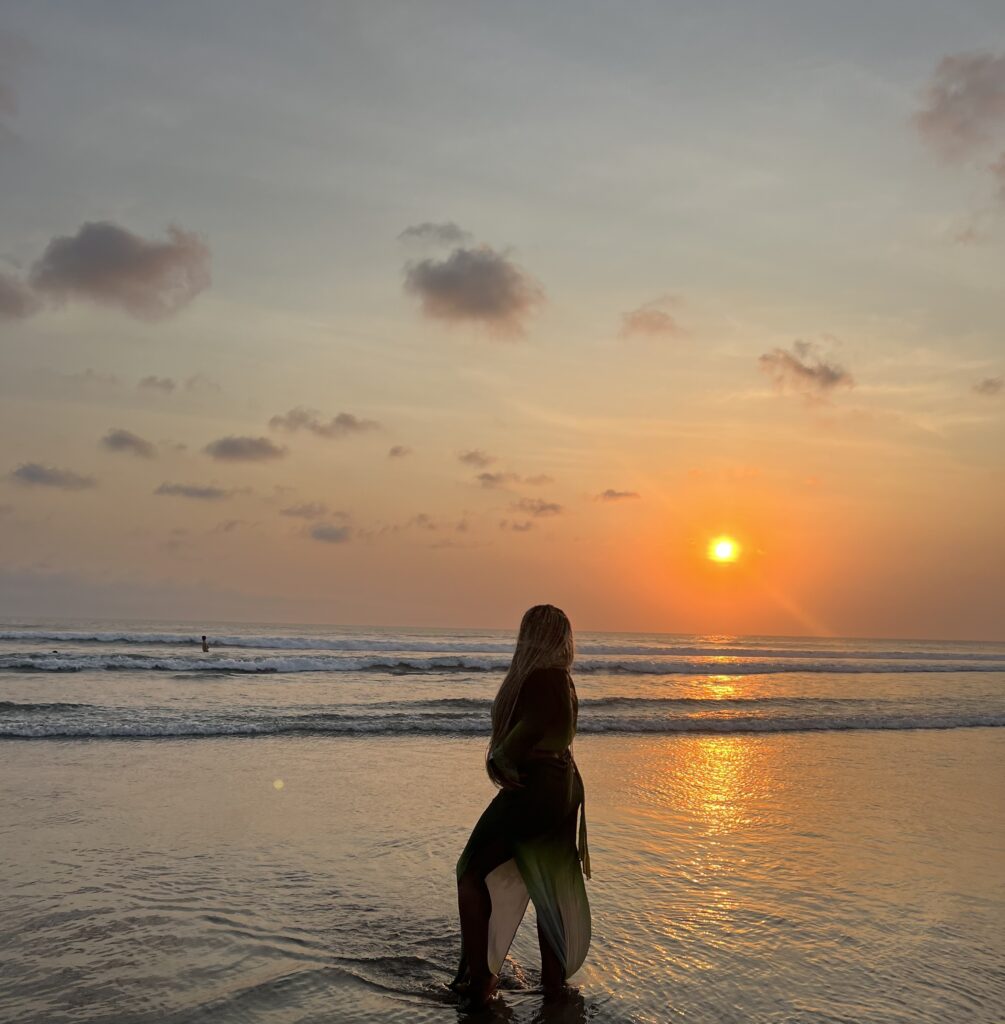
522,527
305,510
536,507
17,300
964,104
997,170
445,233
652,322
398,451
341,425
37,475
228,526
476,285
538,479
119,440
476,457
804,370
197,491
244,449
111,266
497,479
990,386
612,495
329,533
165,384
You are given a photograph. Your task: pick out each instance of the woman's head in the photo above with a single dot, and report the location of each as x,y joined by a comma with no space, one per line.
545,638
544,641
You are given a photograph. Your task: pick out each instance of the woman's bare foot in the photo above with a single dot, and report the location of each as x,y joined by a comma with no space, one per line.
480,990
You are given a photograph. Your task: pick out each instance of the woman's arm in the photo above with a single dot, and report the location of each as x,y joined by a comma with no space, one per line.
540,707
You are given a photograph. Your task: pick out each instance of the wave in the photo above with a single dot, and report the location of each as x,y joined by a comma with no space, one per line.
410,645
271,664
404,725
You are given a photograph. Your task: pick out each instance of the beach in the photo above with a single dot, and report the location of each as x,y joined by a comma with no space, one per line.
739,874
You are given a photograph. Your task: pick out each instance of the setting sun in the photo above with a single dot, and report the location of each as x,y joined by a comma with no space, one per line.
723,549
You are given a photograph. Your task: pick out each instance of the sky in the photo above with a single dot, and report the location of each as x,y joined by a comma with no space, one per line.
421,313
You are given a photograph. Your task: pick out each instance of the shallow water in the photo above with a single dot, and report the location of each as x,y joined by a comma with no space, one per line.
797,877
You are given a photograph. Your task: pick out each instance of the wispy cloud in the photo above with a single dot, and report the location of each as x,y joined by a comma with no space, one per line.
244,449
199,492
990,386
343,424
17,300
491,480
444,233
305,510
398,451
612,495
517,527
34,474
109,265
964,103
329,533
804,370
537,507
165,384
119,440
651,320
476,457
477,285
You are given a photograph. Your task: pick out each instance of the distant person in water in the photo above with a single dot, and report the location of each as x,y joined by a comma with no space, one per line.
524,846
205,646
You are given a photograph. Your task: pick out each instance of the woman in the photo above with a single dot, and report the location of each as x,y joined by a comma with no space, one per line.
524,844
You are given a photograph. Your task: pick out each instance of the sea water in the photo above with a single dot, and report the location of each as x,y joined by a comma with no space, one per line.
782,829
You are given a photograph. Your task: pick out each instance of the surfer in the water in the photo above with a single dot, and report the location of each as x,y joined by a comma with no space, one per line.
205,646
524,846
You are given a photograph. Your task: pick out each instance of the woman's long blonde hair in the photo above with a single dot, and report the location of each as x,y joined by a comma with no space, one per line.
544,641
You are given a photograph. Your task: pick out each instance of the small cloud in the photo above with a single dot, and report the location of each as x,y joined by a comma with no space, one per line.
538,480
341,425
17,300
492,480
305,510
446,233
36,475
423,521
650,321
244,449
329,533
119,440
398,451
476,285
517,527
476,457
964,104
990,386
200,382
109,265
228,526
197,491
804,370
612,495
536,507
165,384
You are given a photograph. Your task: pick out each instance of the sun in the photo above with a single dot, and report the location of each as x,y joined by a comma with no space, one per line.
723,549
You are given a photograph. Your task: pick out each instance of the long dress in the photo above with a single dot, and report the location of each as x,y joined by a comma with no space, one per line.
537,825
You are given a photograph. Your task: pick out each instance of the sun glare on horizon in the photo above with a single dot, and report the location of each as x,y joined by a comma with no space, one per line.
723,549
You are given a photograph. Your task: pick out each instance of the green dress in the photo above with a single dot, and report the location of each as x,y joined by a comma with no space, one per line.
536,825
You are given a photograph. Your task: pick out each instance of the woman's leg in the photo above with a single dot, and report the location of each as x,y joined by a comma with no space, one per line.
552,972
474,906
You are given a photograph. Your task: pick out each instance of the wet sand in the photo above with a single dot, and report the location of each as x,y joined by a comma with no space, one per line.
800,877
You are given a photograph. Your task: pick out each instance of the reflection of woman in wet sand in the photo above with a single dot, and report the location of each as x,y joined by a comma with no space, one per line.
524,846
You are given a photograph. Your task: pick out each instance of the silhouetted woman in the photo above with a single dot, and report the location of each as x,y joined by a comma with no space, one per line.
524,846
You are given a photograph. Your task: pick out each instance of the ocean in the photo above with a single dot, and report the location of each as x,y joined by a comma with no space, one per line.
781,829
